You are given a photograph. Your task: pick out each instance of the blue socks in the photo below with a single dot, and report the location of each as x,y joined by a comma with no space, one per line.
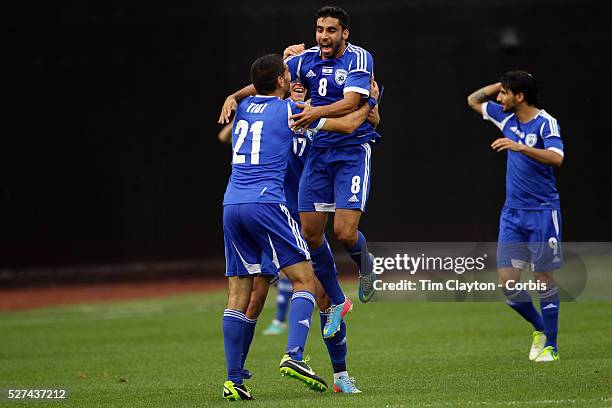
549,304
336,346
233,335
249,332
285,290
325,270
520,301
361,247
302,303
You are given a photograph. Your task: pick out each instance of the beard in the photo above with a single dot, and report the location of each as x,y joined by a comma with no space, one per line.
510,109
334,46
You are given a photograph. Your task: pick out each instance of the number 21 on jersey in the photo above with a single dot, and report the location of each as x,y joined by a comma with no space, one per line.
242,129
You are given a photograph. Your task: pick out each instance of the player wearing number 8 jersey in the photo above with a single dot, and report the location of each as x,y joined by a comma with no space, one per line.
530,223
337,171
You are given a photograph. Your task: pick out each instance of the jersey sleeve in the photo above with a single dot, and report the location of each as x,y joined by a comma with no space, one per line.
494,112
551,135
294,63
358,78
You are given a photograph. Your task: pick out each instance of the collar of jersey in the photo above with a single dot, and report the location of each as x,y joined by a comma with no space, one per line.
531,120
266,96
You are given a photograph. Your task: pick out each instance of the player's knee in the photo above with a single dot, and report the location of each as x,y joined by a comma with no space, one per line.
506,274
237,301
303,278
313,236
346,235
255,307
544,277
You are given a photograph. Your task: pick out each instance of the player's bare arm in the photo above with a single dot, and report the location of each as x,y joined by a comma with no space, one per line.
544,156
348,123
231,102
348,104
477,98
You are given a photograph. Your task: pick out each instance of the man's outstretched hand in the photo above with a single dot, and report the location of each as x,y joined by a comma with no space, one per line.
229,107
306,117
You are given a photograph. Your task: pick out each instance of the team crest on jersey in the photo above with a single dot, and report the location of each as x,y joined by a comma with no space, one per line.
531,140
340,76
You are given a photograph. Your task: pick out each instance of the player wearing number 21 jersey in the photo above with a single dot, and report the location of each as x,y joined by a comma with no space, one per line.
258,225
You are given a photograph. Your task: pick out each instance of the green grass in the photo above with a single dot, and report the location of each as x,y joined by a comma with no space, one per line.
169,352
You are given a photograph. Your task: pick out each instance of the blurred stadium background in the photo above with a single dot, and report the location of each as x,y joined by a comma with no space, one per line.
109,154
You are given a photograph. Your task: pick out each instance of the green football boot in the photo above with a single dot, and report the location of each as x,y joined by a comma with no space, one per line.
301,371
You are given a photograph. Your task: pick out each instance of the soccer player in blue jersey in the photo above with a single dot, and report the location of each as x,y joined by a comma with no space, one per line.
285,290
256,222
337,170
530,223
336,346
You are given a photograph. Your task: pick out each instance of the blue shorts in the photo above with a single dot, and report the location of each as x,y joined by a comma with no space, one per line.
268,267
336,177
530,238
255,231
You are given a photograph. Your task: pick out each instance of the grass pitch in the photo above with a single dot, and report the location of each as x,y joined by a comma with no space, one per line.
169,352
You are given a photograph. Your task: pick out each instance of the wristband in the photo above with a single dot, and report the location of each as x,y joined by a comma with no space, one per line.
372,102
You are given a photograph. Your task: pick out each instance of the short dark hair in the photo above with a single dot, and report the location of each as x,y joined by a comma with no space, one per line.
522,81
264,72
335,12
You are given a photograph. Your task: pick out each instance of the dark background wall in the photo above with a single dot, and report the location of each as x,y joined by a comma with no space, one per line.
109,153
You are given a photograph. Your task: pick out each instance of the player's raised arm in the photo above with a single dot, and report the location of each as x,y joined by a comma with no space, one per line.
231,102
477,98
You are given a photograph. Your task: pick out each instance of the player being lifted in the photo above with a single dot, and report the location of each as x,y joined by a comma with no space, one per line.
530,222
337,170
258,225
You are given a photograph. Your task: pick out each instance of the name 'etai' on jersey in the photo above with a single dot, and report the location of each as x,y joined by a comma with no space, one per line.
530,185
328,80
261,143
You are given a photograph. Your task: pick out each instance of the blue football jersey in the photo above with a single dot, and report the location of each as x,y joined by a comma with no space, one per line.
530,185
328,79
295,168
261,145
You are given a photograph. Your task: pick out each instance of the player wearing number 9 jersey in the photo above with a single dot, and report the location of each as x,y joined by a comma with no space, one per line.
530,222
